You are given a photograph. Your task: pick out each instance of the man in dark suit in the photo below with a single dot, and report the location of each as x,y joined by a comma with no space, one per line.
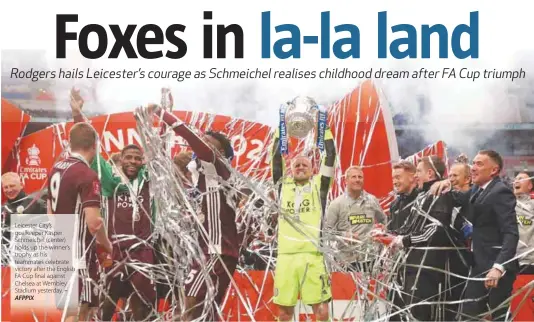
494,240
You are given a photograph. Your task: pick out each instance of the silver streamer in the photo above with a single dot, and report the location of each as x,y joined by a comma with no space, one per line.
177,230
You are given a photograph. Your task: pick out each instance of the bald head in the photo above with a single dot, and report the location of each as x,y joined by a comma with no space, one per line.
11,185
301,158
301,167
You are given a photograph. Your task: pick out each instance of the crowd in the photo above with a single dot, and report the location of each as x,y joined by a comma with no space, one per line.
463,238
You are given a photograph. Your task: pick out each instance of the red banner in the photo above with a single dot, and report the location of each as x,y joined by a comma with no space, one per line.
14,122
522,306
363,135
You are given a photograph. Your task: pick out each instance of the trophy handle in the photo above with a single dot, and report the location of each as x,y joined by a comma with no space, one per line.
283,107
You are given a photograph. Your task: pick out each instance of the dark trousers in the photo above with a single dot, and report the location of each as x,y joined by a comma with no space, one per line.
457,285
416,288
487,299
396,297
421,287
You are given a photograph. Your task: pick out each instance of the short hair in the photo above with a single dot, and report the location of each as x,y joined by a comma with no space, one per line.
436,164
131,147
529,174
82,136
462,158
467,168
405,165
224,141
493,155
11,175
353,167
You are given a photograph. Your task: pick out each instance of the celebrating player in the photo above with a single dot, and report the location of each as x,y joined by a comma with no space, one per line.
130,223
300,265
217,212
75,189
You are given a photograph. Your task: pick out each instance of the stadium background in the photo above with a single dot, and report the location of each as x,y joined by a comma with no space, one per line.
511,135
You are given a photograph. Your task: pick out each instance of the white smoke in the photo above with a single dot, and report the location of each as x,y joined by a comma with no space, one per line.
255,100
452,107
457,111
455,106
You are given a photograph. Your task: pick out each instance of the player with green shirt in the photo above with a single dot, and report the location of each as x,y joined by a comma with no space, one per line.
300,264
130,221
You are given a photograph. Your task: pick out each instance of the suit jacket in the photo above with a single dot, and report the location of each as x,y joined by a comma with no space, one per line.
495,231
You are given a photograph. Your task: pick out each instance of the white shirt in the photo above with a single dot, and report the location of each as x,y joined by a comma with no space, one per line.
486,185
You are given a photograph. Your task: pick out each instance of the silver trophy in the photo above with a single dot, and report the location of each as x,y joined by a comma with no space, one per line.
301,116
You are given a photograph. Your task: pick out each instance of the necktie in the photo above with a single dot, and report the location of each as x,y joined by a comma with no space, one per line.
476,195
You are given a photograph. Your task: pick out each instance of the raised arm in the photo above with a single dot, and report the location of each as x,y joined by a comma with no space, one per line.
107,179
76,105
277,162
327,166
201,149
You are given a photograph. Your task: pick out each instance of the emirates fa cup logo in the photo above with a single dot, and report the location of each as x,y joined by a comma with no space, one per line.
33,156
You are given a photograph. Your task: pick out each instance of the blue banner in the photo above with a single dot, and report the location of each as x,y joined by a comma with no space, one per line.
321,127
283,130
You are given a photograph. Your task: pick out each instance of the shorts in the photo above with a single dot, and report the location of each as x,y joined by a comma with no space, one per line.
304,274
195,285
87,288
125,280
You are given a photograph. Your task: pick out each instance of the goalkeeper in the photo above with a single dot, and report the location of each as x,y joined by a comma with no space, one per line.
300,264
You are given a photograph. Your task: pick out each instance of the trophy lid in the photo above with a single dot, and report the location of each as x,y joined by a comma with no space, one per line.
303,103
300,116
